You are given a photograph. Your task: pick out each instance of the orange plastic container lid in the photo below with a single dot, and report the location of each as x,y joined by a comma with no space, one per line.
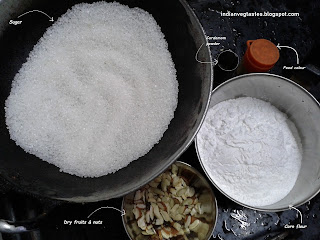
262,53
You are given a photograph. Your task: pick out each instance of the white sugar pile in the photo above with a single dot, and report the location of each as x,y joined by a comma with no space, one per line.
97,92
248,149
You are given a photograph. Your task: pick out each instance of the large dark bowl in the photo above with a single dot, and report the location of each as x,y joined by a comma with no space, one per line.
184,35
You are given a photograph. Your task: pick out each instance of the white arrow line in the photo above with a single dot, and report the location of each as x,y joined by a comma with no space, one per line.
123,212
215,61
50,18
291,207
278,46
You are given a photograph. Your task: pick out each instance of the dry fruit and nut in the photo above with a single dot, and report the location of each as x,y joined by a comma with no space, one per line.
167,207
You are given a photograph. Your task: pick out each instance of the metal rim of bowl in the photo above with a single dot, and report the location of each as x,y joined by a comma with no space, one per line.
202,165
203,179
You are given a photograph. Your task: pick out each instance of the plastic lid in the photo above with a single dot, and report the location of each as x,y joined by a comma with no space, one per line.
262,53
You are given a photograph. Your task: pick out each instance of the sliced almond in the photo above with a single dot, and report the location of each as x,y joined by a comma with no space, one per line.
187,222
137,195
156,211
181,192
177,217
165,216
159,221
165,234
141,206
194,224
162,206
141,223
188,201
171,203
181,209
174,169
190,192
193,212
177,226
175,181
151,213
186,211
137,213
164,184
174,209
148,217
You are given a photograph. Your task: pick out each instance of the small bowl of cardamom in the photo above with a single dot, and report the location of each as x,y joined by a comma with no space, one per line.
178,204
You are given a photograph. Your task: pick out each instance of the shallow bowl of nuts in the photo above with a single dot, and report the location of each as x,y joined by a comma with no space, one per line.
179,204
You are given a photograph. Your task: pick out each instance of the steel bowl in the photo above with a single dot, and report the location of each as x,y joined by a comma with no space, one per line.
301,108
206,197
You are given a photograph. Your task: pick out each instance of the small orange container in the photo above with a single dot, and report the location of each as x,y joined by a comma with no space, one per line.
260,56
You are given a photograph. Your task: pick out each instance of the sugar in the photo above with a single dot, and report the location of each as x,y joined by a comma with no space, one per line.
249,151
98,90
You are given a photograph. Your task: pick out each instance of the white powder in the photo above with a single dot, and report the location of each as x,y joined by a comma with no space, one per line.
97,92
249,151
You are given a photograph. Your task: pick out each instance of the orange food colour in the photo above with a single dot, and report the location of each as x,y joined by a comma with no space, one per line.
260,56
